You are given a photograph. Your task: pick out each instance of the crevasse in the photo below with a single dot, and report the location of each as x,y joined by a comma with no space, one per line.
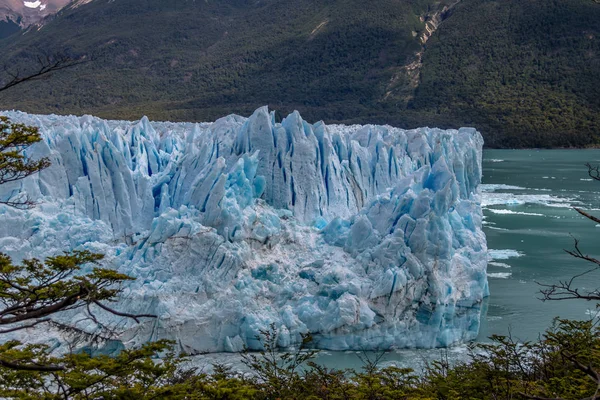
367,237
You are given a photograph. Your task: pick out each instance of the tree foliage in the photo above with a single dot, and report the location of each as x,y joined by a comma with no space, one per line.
34,293
31,293
14,165
130,374
562,365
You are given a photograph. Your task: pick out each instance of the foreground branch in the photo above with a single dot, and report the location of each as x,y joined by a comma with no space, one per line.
588,216
46,65
135,317
30,367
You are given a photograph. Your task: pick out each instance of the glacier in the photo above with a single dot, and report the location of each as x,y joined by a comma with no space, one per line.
366,237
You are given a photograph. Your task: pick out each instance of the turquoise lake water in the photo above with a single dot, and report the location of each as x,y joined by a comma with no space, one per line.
528,198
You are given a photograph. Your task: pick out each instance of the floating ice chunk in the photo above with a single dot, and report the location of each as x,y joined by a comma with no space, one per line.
492,187
499,264
511,212
511,199
504,254
500,275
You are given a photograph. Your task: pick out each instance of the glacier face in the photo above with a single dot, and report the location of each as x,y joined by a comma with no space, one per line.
368,237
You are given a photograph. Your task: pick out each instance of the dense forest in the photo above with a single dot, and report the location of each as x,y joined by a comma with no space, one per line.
526,74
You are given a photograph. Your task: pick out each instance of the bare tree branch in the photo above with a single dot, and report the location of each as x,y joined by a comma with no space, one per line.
567,290
46,65
135,317
18,328
95,337
593,171
25,204
588,216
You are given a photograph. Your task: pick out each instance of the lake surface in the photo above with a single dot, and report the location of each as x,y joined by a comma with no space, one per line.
527,196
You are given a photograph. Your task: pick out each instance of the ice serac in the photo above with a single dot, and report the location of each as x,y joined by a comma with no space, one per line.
367,237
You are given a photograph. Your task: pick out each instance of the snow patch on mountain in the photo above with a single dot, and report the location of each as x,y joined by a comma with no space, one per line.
32,4
28,13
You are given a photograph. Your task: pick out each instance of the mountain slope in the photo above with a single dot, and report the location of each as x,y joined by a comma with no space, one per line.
523,73
196,60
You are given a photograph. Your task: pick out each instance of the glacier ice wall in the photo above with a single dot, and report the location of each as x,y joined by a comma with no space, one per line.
367,237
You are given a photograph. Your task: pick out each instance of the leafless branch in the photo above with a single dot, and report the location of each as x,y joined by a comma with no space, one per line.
593,171
135,317
24,204
94,337
46,65
18,328
567,290
588,216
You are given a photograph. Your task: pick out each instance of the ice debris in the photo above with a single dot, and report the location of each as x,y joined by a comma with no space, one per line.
368,237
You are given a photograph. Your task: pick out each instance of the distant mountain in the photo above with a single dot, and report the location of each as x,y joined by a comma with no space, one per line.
20,14
525,73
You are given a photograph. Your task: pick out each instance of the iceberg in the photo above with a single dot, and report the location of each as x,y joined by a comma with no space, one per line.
366,237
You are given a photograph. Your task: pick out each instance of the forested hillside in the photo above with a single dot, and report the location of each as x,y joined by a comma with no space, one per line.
526,73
